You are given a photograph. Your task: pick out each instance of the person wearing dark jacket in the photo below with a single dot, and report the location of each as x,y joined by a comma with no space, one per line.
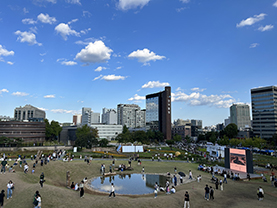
2,196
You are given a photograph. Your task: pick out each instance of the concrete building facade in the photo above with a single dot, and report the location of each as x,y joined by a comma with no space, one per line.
109,116
158,112
240,115
264,111
130,115
77,119
89,117
28,112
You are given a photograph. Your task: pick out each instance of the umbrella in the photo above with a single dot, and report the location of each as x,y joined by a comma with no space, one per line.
182,174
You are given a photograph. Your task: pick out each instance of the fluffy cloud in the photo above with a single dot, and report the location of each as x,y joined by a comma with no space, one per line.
69,63
266,28
113,77
253,45
5,52
10,63
275,4
197,89
131,4
99,68
20,94
29,21
137,97
98,77
65,111
197,99
49,96
3,90
251,20
95,52
145,55
27,37
45,18
155,84
74,1
64,30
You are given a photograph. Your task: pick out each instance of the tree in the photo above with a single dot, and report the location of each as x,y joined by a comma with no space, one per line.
234,142
86,137
52,130
140,136
125,129
177,138
213,138
103,142
150,135
231,131
223,141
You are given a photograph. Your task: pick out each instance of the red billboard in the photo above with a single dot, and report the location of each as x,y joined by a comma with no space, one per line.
238,160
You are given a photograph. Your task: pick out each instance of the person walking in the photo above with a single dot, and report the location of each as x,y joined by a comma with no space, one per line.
260,194
41,180
190,174
9,189
211,193
207,191
175,180
3,166
221,185
82,191
181,179
186,200
225,178
2,196
38,199
216,184
112,191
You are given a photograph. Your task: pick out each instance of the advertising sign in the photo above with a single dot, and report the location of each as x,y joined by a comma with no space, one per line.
238,160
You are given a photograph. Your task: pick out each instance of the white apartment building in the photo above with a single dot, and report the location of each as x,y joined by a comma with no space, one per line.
107,131
109,116
130,115
89,117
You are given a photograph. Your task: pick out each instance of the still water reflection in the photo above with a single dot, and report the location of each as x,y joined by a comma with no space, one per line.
129,183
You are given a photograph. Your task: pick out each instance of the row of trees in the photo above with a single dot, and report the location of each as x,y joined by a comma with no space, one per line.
139,136
10,142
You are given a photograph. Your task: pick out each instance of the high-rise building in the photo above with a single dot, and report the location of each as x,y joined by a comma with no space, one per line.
130,115
89,117
28,112
196,126
264,111
240,115
158,112
77,119
109,116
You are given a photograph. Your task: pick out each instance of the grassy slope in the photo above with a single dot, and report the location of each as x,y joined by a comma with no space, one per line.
54,193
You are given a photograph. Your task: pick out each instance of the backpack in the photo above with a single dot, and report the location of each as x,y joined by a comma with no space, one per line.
35,202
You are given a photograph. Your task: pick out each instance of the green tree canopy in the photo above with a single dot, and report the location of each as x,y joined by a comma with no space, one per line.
86,137
52,130
103,142
231,131
177,138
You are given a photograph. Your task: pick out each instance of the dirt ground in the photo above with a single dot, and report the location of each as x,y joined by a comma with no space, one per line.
55,194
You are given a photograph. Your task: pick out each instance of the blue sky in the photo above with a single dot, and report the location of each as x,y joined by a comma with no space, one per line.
62,55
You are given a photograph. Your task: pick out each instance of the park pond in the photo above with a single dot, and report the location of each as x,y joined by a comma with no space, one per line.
128,184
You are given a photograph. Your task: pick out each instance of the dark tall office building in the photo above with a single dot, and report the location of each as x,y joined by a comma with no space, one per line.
158,112
264,111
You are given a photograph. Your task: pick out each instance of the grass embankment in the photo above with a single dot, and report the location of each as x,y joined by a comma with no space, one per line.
54,193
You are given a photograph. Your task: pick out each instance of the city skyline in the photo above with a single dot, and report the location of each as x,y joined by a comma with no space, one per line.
99,54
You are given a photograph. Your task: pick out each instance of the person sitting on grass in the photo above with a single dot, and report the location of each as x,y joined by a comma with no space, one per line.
172,190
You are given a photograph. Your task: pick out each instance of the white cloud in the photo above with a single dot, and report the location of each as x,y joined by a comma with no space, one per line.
197,89
113,77
45,18
145,55
266,28
275,4
131,4
72,21
74,1
85,31
86,13
49,96
99,68
98,77
29,21
4,90
5,52
185,1
251,20
180,9
155,84
95,52
64,111
65,30
119,67
44,109
27,37
33,29
137,97
20,94
69,63
197,99
253,45
10,63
